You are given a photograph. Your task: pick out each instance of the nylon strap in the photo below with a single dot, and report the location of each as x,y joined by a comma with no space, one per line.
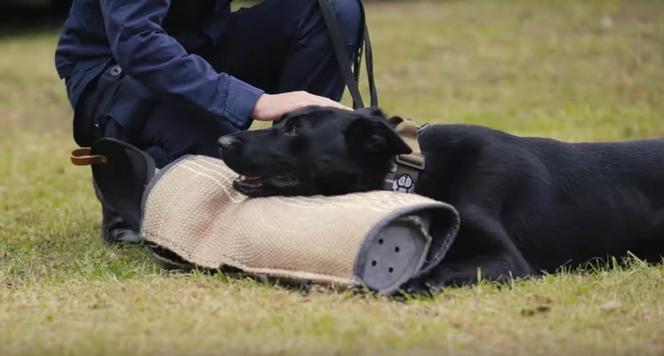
407,167
350,78
373,91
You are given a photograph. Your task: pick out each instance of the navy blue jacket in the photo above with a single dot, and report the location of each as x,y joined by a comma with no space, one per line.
156,42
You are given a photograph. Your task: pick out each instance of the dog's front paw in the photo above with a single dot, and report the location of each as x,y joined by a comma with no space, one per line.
419,287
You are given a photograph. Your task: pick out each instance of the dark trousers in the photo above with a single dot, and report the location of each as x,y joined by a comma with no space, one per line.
278,46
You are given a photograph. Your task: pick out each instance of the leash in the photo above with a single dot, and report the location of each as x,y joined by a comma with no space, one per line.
351,77
407,167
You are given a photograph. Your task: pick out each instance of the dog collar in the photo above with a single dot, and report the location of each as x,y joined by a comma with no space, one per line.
406,168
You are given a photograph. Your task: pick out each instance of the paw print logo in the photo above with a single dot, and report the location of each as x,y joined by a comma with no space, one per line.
403,184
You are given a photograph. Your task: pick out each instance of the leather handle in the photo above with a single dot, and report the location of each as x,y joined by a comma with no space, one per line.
83,157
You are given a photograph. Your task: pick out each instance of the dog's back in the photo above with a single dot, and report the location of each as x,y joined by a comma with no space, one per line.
557,201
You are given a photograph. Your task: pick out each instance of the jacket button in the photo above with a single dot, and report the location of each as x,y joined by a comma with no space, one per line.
116,70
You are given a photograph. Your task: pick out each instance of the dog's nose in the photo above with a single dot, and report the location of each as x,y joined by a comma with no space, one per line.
231,141
228,143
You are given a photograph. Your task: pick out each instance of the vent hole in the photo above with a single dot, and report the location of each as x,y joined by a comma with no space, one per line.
397,249
380,241
390,269
373,263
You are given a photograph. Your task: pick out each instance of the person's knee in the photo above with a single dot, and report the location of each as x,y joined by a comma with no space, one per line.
348,12
350,17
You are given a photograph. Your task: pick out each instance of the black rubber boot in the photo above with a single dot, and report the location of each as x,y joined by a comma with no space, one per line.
115,230
119,183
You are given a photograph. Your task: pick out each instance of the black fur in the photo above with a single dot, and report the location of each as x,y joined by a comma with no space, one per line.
528,205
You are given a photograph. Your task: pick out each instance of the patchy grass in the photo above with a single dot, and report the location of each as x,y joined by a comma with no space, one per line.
591,70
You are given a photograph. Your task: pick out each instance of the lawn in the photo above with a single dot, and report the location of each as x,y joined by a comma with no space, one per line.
572,70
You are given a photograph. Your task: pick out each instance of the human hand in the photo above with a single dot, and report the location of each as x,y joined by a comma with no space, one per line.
273,106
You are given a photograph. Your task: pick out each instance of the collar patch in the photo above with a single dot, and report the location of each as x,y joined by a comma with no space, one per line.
406,168
403,184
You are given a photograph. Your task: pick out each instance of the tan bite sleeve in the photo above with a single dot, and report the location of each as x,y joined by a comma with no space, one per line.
191,209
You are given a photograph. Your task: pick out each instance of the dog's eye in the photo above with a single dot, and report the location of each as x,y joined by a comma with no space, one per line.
291,130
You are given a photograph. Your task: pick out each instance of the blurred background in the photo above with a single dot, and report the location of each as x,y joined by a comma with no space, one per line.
575,70
13,12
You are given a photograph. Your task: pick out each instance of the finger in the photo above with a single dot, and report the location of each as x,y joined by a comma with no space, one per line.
344,107
339,105
327,102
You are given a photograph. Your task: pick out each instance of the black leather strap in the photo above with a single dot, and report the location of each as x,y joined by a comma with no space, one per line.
350,78
373,91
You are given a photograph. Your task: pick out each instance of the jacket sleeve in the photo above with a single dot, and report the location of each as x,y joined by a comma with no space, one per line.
147,53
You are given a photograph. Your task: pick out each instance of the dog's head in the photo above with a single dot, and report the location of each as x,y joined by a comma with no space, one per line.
314,151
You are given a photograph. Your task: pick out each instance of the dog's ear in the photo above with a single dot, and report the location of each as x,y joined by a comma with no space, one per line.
369,134
372,112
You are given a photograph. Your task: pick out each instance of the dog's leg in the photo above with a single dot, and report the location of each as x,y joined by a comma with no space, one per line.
658,236
499,267
651,248
483,250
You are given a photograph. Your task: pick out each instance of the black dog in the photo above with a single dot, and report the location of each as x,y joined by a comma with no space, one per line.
527,205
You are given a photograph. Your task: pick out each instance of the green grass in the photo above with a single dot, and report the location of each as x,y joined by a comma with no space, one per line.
573,70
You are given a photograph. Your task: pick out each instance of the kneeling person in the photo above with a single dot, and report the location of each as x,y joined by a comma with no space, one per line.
172,76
